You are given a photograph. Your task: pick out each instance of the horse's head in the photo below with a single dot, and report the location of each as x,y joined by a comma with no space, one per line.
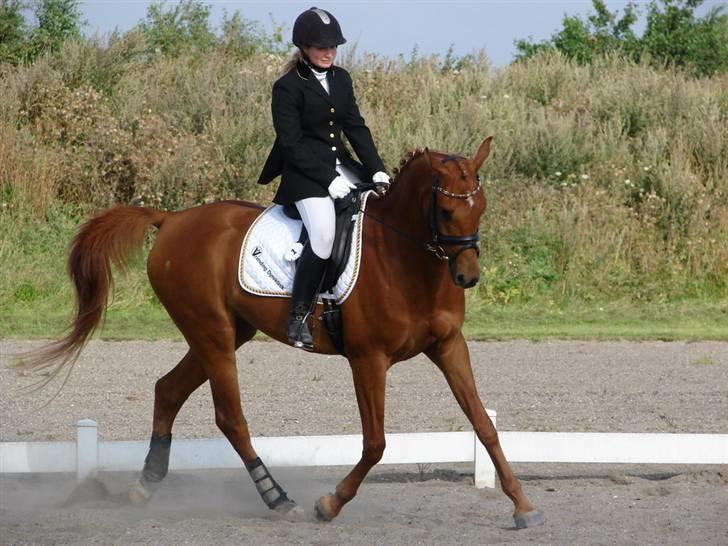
455,208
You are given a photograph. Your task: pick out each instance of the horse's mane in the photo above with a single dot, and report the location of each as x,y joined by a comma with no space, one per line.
407,159
411,155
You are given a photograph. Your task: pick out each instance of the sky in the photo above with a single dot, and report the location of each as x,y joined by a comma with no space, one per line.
391,28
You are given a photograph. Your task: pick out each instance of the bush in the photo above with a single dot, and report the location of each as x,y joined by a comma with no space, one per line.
674,36
607,180
12,32
58,21
182,28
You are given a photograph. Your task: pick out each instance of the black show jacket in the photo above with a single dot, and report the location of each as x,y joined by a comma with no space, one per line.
308,122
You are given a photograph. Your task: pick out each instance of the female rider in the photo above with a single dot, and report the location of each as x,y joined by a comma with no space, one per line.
312,104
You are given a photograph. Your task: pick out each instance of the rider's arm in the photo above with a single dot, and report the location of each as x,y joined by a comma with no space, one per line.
358,134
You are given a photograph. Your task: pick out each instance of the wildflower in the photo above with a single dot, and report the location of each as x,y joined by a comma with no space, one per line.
557,173
506,96
585,177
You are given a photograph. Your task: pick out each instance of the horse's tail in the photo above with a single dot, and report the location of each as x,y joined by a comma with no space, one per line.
109,238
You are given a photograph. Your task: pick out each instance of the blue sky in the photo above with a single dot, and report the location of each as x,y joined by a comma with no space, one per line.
390,28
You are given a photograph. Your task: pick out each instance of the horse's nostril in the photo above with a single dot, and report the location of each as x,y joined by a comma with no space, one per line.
467,282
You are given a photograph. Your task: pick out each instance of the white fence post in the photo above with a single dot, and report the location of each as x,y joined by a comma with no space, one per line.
87,448
483,469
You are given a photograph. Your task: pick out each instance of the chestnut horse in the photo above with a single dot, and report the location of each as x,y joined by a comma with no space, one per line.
420,252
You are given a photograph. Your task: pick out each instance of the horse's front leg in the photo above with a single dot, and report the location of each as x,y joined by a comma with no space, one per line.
369,382
451,355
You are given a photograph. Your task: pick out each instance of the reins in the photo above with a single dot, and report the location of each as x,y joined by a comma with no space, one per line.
437,250
437,239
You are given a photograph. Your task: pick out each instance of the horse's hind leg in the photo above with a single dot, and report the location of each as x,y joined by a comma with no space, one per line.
170,393
217,354
212,349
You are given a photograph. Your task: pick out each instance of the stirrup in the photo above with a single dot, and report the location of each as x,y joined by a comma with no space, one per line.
299,334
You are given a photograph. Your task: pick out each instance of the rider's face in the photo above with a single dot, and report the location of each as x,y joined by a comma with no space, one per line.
321,56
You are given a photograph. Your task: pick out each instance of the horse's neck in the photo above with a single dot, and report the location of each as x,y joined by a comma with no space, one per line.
405,228
405,206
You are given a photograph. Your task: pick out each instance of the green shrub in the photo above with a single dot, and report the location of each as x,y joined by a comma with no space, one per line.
607,181
674,36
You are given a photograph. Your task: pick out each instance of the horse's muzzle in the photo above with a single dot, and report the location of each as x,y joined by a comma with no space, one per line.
466,275
466,281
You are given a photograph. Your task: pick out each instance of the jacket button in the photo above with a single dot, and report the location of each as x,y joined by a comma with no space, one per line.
333,148
332,135
333,110
331,123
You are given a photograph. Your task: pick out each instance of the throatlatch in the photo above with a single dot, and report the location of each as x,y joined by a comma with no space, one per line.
272,493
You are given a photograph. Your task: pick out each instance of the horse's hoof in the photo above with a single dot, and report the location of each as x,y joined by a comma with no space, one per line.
138,494
289,511
322,514
523,520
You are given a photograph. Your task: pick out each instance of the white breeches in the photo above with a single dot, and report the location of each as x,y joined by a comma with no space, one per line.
319,217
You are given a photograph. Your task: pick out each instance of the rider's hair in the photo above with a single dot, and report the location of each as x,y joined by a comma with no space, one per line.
291,63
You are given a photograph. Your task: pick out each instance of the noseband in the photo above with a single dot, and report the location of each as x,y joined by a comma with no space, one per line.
438,239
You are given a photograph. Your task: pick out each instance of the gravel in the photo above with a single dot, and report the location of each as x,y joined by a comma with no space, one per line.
540,386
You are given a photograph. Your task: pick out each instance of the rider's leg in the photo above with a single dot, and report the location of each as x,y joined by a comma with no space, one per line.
319,217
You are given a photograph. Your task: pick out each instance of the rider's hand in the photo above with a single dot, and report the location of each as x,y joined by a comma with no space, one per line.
382,182
340,187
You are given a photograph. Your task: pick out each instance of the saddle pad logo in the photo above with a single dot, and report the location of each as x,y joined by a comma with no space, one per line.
267,270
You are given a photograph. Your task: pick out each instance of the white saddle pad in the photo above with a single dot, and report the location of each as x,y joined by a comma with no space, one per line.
263,269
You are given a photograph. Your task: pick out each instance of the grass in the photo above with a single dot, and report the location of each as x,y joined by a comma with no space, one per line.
690,320
607,186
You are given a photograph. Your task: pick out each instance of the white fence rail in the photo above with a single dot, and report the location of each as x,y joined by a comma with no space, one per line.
87,455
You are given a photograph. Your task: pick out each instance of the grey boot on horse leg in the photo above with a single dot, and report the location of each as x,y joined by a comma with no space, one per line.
156,465
306,284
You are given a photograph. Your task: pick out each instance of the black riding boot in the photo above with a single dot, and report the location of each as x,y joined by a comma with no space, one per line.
306,283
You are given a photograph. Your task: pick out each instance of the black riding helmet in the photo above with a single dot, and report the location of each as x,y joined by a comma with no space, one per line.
317,28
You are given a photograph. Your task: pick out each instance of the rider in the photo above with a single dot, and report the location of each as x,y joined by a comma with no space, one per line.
312,103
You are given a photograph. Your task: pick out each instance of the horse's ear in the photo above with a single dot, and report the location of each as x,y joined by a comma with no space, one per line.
483,153
436,166
428,157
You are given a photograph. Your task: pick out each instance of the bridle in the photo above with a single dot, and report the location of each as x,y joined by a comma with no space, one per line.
437,239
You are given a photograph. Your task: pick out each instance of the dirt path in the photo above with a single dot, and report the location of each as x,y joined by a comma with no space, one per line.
565,386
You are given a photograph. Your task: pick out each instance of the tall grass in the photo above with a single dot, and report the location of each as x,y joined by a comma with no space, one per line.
607,182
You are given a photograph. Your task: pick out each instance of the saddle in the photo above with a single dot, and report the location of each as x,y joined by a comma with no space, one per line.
346,212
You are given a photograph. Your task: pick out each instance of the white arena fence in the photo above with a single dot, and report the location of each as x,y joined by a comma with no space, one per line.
87,455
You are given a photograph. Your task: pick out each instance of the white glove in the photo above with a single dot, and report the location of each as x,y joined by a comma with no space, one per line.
340,187
382,181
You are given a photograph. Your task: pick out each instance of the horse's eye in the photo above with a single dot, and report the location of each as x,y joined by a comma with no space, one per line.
446,214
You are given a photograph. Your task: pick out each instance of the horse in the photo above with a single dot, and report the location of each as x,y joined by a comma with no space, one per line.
420,252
